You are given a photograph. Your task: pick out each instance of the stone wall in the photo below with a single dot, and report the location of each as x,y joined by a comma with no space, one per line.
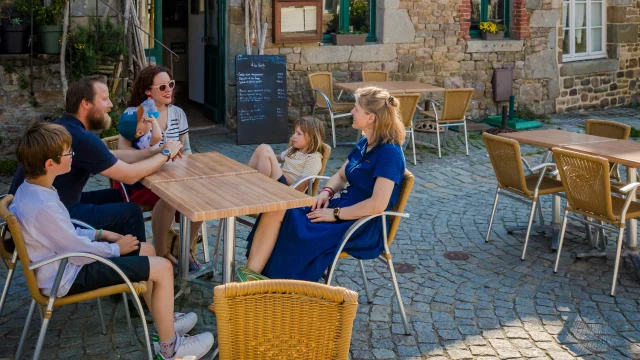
18,108
606,82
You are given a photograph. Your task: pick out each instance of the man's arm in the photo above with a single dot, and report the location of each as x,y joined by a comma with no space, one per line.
132,173
129,155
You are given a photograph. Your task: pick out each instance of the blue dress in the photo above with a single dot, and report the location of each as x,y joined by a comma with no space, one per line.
304,249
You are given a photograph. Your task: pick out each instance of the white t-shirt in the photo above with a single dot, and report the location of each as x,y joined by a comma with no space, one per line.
176,124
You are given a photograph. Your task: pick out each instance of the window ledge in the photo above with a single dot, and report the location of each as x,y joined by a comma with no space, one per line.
489,46
588,67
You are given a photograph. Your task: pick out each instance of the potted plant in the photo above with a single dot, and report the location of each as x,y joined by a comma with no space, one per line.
345,38
492,31
14,32
49,21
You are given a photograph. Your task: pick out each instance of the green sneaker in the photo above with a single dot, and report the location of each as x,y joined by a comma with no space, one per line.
244,275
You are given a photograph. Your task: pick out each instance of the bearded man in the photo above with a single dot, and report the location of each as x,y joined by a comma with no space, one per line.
86,112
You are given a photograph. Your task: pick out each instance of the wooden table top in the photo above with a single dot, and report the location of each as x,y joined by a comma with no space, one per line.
553,138
624,152
196,166
394,87
226,196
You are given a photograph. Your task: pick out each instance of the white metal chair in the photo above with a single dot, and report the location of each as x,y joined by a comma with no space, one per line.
322,87
385,257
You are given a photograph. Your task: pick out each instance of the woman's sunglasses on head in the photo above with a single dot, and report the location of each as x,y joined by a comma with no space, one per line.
162,87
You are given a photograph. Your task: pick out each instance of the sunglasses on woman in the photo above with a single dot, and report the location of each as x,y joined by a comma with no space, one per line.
162,87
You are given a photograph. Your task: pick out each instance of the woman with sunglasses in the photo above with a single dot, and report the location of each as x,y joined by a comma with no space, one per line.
156,82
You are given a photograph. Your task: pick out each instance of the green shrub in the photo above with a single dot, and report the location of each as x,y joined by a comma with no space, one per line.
8,167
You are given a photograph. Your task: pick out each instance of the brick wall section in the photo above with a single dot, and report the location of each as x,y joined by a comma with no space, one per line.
464,12
520,21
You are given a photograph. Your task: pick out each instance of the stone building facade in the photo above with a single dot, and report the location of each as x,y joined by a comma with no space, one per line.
429,41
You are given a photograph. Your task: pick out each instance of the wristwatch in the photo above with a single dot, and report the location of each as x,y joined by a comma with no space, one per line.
336,214
167,153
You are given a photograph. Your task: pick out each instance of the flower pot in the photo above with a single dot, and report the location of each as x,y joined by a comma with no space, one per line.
14,38
489,36
50,38
348,39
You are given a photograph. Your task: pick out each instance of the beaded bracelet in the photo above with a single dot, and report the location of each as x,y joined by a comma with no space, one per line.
328,190
99,234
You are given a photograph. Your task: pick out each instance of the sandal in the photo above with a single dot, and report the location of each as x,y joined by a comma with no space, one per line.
194,265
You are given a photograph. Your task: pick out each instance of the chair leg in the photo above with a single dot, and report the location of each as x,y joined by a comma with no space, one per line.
5,291
438,137
413,145
333,129
126,311
217,247
466,138
366,282
41,336
526,237
564,227
493,213
102,325
540,214
617,263
205,242
25,330
407,330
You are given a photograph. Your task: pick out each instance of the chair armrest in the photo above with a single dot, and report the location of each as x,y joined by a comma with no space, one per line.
309,178
352,229
540,166
81,224
627,188
326,99
526,165
430,101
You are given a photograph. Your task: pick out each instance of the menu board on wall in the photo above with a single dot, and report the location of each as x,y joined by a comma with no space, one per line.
261,99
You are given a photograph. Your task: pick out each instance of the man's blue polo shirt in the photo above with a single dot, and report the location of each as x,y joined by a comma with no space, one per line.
91,157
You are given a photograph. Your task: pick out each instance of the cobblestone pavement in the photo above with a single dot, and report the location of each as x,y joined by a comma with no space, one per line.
491,306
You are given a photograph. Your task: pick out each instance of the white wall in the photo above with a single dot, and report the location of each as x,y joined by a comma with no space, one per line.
196,56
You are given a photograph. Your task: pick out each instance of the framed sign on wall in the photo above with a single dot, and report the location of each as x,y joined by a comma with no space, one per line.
297,21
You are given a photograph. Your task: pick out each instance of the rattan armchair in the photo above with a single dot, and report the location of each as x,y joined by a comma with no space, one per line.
512,182
610,129
284,319
375,76
385,257
313,184
588,190
454,107
322,87
408,105
48,303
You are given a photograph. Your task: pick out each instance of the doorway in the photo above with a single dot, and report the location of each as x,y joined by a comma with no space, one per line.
215,25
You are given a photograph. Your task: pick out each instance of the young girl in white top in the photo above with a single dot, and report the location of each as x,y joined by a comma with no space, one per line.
301,159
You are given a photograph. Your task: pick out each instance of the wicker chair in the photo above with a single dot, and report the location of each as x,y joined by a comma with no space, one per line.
375,76
312,190
322,87
512,181
588,190
408,104
112,144
48,303
397,214
609,129
454,108
284,319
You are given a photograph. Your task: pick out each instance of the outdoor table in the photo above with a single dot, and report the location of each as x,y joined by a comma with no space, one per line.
627,153
549,139
394,87
224,197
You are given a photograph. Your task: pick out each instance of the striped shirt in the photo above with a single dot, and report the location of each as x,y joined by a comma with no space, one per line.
301,164
176,124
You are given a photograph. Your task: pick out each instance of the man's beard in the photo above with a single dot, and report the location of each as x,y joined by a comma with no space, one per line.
98,120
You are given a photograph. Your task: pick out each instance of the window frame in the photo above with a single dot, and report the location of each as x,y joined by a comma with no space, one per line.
277,11
344,20
588,55
474,31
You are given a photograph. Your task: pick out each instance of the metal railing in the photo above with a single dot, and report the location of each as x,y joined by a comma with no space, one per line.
149,35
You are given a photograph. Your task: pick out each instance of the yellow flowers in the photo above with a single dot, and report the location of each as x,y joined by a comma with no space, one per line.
77,46
488,26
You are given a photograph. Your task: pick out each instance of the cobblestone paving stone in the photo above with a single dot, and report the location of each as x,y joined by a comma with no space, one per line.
492,306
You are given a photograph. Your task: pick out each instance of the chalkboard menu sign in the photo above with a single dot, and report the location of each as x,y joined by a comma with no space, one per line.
261,83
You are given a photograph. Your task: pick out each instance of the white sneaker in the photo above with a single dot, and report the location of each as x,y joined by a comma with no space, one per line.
198,346
182,324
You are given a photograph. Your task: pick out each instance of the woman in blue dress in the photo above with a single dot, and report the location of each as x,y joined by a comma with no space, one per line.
301,243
